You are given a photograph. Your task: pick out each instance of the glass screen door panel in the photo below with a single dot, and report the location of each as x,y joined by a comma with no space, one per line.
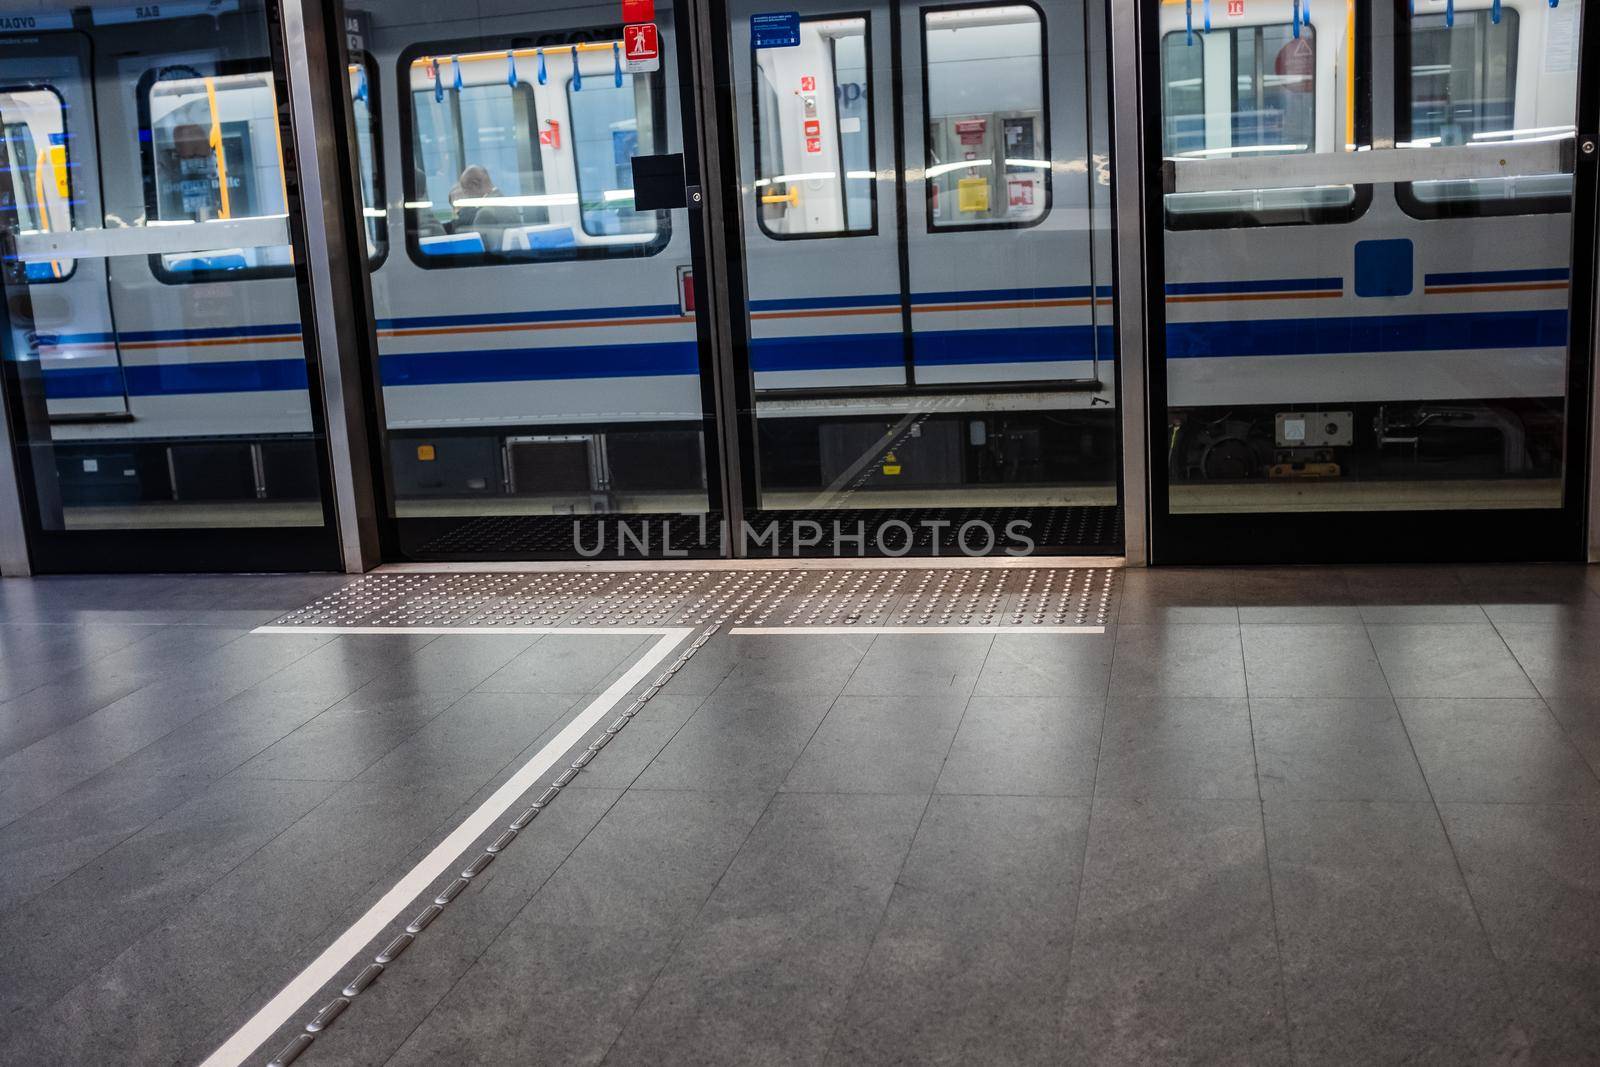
926,239
540,361
158,377
1367,345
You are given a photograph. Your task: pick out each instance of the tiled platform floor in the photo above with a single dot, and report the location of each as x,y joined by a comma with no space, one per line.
1326,816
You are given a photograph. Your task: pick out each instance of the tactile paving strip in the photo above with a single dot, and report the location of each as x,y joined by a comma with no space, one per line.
887,596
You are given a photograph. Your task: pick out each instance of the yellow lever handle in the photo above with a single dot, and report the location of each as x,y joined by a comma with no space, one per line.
792,198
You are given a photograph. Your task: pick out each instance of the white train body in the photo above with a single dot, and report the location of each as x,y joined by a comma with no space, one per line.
576,320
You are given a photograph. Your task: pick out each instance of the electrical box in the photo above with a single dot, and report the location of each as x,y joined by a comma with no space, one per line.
1315,429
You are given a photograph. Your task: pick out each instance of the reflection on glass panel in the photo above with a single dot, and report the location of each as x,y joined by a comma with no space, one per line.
215,154
40,180
1407,352
368,157
605,138
988,147
1463,90
158,361
1248,92
510,168
815,152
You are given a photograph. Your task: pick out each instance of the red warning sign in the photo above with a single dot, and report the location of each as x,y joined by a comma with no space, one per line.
808,84
813,128
1235,8
641,48
813,144
638,10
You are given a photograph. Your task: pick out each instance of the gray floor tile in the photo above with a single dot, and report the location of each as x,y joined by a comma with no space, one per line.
1534,874
1195,748
1497,751
1367,877
918,665
1558,1005
1379,1008
764,970
41,848
1025,746
1448,660
1578,716
564,664
1047,665
651,862
1178,660
1174,1005
1334,749
970,964
61,937
1170,875
1560,658
473,738
1311,661
561,995
349,737
878,745
748,740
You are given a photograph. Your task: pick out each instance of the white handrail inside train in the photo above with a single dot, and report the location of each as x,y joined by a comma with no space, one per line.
266,231
1370,166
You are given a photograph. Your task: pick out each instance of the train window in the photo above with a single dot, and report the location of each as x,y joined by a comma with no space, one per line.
605,138
364,107
214,152
526,154
33,122
988,151
814,153
1246,92
1459,87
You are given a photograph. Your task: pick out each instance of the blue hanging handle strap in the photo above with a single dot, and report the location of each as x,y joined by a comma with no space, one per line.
438,83
1208,15
1188,22
577,75
1295,18
1449,13
511,68
1305,12
616,61
540,53
455,62
361,84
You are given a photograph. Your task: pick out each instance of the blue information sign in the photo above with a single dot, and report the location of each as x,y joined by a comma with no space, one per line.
776,29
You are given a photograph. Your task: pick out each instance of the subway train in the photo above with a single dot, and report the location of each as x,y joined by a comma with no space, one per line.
925,195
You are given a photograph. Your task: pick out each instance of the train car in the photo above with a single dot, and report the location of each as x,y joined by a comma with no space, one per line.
1428,333
925,200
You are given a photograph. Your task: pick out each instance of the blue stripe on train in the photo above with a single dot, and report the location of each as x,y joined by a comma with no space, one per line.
1254,337
177,379
1271,285
1368,334
1489,277
541,364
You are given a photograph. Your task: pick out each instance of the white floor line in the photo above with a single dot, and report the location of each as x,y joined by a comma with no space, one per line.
281,1008
770,631
475,631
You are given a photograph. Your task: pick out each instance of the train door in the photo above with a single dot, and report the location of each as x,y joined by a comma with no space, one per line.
159,380
542,369
924,202
47,115
1376,247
